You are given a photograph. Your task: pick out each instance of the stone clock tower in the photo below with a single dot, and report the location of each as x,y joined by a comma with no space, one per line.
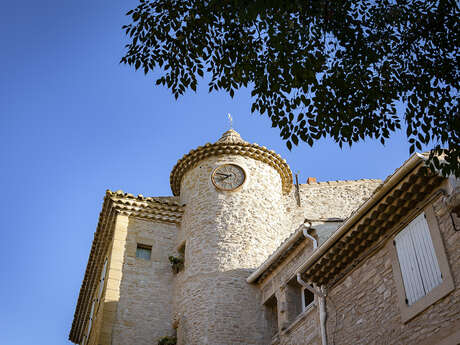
239,228
233,220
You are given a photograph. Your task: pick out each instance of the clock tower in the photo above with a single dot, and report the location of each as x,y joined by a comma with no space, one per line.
233,193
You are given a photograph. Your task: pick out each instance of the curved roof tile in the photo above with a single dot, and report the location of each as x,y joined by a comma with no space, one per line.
230,143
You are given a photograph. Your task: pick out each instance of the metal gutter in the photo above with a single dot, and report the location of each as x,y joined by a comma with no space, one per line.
278,253
307,225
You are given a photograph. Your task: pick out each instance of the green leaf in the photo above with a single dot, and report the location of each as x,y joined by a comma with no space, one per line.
347,86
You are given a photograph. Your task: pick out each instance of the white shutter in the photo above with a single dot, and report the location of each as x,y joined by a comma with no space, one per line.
102,280
417,259
409,267
426,256
90,319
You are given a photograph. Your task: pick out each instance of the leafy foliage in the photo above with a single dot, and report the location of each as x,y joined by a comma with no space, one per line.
316,68
177,263
167,341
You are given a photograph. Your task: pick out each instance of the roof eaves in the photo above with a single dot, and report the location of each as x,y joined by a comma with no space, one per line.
158,209
101,237
391,181
289,244
286,246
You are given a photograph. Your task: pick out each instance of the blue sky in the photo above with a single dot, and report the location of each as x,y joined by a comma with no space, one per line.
74,122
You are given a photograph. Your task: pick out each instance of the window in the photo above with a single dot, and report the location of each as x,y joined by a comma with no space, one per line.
298,298
420,267
102,280
293,300
417,259
307,298
143,251
90,323
271,314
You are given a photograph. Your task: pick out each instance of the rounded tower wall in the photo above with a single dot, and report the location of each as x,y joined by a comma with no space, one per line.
234,229
228,234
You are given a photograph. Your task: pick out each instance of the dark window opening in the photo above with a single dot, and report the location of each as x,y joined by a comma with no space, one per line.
143,251
271,311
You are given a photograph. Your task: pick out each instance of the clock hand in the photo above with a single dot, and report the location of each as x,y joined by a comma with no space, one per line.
226,175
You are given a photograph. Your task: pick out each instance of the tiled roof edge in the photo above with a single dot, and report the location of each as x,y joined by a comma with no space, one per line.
337,182
158,209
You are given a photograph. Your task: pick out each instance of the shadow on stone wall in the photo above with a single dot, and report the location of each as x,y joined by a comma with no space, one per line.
222,308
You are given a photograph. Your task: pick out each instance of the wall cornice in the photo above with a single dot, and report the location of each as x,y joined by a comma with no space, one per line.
374,224
162,209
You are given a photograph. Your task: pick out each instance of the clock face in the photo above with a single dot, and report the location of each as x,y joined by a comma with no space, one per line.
228,177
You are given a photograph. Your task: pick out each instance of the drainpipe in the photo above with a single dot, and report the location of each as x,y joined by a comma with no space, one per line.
321,293
323,315
307,235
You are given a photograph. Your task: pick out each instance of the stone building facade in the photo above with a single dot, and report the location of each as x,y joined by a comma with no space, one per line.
241,255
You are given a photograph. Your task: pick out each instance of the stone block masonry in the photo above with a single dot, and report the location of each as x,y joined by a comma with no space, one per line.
224,237
228,234
144,310
364,307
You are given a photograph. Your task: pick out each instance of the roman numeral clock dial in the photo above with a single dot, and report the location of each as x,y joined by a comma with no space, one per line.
228,177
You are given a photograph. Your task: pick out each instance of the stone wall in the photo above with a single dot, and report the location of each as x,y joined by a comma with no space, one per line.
294,326
144,308
363,308
105,311
228,234
304,330
332,199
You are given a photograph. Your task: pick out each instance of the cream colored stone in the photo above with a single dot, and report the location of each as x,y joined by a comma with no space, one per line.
224,237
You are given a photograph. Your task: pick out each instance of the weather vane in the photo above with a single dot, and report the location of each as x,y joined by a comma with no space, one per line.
230,120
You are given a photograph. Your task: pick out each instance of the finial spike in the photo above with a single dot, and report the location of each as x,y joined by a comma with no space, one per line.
230,120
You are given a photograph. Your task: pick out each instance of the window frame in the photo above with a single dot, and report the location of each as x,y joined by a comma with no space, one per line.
89,326
312,303
102,280
408,312
271,315
143,247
